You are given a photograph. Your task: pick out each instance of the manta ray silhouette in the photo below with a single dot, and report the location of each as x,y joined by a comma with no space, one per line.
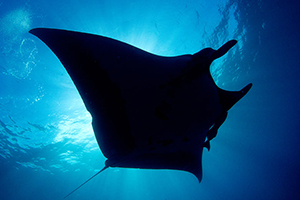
149,111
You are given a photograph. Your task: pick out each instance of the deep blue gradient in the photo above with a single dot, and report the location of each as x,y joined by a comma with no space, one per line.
47,147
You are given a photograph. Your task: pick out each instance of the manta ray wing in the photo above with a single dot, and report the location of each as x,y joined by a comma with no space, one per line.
106,72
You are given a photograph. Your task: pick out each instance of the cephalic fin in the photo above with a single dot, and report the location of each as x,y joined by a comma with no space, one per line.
229,98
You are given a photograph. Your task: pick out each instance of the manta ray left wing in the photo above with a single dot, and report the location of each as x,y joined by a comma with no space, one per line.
148,111
106,72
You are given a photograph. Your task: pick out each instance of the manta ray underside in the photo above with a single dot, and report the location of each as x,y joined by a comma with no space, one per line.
149,111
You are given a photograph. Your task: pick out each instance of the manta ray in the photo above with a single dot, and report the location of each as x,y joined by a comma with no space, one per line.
148,111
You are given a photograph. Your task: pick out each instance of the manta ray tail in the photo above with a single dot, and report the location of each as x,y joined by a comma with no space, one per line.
104,168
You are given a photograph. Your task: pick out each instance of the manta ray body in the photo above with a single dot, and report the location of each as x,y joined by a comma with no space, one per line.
148,111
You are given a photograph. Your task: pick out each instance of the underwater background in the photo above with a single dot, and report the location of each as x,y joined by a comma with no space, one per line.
47,146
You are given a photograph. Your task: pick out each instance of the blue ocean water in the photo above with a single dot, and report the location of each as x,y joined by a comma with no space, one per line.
47,147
